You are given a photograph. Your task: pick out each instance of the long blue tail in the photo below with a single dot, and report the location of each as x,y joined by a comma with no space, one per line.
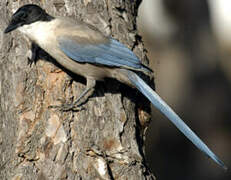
171,115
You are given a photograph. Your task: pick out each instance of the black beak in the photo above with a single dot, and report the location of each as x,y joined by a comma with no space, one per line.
12,26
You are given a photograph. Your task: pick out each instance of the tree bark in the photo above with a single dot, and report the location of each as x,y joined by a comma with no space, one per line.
103,140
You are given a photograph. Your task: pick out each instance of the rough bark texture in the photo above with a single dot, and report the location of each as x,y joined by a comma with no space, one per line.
104,140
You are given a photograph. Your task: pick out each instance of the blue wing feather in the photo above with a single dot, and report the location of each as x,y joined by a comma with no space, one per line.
112,53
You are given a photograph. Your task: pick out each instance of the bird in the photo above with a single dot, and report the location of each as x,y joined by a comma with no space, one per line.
84,50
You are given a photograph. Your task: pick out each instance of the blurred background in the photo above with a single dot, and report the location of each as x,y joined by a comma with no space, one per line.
189,48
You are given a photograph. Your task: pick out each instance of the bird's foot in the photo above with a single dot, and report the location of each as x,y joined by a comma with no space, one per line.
80,101
65,107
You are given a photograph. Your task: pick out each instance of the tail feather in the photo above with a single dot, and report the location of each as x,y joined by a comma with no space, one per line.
171,115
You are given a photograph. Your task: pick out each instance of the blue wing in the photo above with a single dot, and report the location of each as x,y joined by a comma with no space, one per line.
111,53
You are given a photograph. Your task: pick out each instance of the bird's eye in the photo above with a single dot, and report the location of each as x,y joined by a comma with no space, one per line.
23,15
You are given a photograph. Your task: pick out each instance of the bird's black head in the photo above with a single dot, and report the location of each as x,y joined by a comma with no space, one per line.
27,14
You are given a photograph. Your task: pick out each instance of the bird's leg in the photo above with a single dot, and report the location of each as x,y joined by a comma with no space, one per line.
34,54
86,93
81,99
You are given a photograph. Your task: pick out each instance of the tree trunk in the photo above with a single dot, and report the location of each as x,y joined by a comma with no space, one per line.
103,140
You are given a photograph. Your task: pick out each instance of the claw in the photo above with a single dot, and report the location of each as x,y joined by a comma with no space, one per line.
67,107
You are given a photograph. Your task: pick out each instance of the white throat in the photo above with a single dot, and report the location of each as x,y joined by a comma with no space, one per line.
38,31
